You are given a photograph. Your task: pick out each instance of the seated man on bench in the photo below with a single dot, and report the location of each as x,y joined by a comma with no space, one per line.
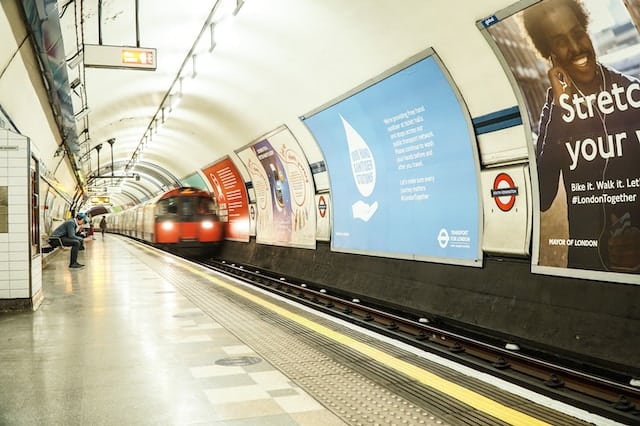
65,234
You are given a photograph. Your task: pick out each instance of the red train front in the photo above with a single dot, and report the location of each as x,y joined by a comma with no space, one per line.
187,218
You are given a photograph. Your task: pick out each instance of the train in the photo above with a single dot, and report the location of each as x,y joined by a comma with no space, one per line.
184,220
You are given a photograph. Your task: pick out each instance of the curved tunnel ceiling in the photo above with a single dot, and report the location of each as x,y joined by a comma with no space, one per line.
124,188
145,171
272,62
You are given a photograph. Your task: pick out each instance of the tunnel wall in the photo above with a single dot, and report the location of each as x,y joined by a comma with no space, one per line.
592,320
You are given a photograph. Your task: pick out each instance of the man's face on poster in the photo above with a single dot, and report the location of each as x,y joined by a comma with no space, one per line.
571,47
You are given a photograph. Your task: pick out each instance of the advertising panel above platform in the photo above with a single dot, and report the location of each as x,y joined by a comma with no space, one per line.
402,163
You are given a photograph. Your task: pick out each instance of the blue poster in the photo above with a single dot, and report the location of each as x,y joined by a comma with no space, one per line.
403,170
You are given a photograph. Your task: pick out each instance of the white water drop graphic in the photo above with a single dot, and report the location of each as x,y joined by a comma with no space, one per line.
363,165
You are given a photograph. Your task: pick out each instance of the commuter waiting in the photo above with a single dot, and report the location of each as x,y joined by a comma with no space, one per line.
66,234
103,226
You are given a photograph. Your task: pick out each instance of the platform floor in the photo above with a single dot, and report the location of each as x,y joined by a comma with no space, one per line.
140,337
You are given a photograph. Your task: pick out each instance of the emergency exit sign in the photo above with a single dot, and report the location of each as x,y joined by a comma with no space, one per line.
119,57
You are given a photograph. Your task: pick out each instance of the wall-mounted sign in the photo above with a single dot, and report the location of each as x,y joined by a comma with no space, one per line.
401,159
322,206
504,192
102,56
100,200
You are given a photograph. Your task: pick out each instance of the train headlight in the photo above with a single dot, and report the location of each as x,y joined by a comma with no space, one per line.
167,226
207,224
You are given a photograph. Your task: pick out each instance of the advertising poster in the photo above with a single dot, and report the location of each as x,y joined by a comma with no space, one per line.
403,168
231,193
576,64
47,36
285,204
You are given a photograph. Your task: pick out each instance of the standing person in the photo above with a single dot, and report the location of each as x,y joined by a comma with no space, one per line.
92,228
588,135
66,234
103,226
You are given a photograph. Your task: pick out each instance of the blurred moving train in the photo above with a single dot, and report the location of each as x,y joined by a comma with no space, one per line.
184,220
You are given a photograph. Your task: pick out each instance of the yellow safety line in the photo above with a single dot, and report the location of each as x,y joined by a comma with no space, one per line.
454,390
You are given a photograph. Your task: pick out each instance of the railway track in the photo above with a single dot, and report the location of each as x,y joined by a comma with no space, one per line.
609,395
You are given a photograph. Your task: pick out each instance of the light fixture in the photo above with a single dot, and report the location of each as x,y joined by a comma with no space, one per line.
75,59
171,98
239,4
179,92
175,101
82,114
213,40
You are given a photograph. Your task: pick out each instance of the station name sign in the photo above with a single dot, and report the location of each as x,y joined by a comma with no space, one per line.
119,57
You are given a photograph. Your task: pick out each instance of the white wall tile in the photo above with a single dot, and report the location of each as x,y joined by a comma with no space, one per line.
18,256
21,237
18,182
17,158
18,172
18,192
17,277
18,223
15,269
19,266
18,246
20,294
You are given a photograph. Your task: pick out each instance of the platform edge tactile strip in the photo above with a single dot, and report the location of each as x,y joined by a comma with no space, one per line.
288,346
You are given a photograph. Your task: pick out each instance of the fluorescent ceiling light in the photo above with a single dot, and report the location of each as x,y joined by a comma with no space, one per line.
82,114
75,60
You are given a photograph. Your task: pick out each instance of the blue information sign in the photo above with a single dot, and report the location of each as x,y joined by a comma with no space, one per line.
403,168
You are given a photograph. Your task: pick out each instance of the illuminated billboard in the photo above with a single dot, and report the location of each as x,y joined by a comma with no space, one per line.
283,184
575,65
231,194
402,164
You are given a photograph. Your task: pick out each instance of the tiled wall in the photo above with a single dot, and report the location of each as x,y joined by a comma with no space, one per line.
15,265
